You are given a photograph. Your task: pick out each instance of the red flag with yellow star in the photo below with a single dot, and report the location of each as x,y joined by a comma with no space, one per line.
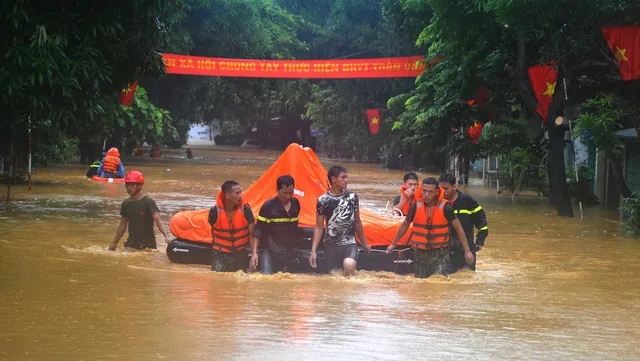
374,120
624,42
474,132
543,81
126,95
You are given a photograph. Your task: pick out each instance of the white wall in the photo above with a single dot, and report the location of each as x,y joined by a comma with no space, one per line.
201,134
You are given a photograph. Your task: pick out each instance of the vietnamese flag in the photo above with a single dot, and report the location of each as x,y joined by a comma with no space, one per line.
126,95
543,81
374,120
474,132
624,42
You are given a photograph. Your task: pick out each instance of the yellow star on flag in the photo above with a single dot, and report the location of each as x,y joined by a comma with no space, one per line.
621,54
551,88
374,120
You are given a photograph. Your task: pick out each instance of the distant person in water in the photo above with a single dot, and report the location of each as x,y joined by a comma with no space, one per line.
408,192
138,213
93,167
340,209
277,230
232,225
111,166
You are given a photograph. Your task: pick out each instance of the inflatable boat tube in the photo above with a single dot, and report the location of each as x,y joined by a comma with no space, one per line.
95,178
400,261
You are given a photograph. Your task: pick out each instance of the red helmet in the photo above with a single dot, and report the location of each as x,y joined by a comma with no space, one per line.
113,152
134,177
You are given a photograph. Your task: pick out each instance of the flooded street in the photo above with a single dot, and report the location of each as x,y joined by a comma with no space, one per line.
546,288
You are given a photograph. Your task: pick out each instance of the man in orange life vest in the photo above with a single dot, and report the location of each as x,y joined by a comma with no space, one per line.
111,166
432,217
232,225
407,194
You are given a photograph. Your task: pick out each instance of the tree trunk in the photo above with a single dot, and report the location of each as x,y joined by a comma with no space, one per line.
615,166
560,194
10,173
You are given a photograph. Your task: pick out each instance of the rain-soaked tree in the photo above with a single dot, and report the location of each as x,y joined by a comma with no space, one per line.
64,62
492,43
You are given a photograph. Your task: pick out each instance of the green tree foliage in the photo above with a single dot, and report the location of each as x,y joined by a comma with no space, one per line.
493,43
63,60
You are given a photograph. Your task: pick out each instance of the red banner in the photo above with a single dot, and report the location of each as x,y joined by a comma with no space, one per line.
127,95
543,81
374,120
624,42
409,66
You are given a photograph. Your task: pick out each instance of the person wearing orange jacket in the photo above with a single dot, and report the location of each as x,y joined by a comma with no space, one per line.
111,166
432,218
407,194
138,213
232,225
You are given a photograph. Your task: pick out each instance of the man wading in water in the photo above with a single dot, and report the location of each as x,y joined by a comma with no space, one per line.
138,212
232,225
277,230
432,217
341,209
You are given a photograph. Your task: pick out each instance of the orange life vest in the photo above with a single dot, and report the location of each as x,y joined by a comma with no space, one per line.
430,232
417,195
110,164
230,237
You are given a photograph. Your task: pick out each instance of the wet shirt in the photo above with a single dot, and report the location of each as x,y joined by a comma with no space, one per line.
470,214
339,212
140,216
277,228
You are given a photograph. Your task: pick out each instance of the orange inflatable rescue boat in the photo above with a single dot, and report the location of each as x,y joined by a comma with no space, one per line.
193,232
96,178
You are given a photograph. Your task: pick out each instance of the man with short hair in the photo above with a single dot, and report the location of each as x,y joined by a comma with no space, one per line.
232,226
408,190
277,230
340,209
470,214
432,218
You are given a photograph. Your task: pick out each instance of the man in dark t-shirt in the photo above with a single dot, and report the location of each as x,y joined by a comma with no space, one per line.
277,230
138,213
341,210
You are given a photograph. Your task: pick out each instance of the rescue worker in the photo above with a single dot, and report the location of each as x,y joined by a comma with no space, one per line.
93,167
277,230
138,213
470,214
341,210
111,166
232,226
407,194
432,217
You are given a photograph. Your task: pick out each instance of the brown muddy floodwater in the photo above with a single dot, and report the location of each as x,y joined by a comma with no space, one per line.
546,288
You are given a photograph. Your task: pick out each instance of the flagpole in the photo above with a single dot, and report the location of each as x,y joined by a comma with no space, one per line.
573,146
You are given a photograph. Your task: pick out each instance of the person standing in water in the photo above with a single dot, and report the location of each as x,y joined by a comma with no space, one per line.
470,214
111,166
277,230
406,197
340,209
432,218
232,225
138,213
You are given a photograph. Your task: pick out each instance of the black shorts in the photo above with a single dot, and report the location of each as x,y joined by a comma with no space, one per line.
334,255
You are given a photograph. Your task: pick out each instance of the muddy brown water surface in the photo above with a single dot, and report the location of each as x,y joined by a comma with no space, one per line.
546,288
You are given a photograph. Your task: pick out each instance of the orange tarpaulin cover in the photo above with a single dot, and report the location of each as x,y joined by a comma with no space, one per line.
311,182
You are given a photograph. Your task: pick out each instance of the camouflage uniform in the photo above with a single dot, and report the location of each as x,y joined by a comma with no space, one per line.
432,262
229,262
